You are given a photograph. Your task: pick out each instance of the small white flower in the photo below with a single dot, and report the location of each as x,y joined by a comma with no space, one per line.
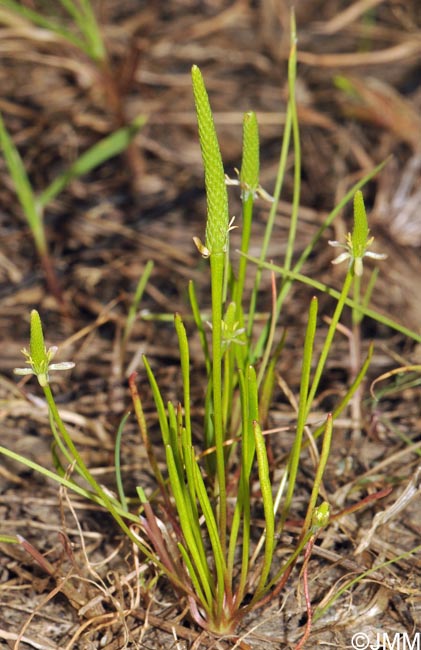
42,372
357,244
39,358
349,254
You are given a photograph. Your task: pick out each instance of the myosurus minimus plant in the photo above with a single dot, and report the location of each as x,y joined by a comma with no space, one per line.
204,540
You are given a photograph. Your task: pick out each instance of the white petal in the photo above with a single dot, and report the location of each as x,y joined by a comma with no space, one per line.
341,258
375,256
23,371
336,244
64,365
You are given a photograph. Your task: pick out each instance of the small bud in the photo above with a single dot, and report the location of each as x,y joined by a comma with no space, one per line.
321,516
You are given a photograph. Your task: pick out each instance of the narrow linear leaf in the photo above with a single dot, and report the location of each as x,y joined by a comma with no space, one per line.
324,455
266,489
117,462
303,405
23,187
46,23
320,286
199,325
107,148
159,402
194,545
211,525
185,372
205,598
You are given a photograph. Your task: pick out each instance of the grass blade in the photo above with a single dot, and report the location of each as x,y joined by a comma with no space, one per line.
324,455
40,20
23,189
190,528
302,408
266,489
159,403
111,145
117,463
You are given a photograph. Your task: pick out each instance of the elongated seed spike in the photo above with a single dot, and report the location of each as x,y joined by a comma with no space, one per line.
360,231
216,191
37,344
249,175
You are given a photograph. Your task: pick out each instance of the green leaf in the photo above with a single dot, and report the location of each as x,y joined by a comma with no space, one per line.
198,320
42,21
88,25
107,148
117,462
266,489
212,528
23,188
303,406
185,372
322,517
159,403
189,527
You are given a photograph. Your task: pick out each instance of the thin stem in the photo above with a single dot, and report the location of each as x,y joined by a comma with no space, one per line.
328,341
292,70
324,455
320,286
294,274
217,274
283,158
302,409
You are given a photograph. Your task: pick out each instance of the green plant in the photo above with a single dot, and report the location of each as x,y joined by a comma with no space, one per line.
203,541
34,206
73,24
89,39
81,32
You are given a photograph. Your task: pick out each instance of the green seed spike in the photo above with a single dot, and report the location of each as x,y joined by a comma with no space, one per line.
37,347
217,225
360,231
249,176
